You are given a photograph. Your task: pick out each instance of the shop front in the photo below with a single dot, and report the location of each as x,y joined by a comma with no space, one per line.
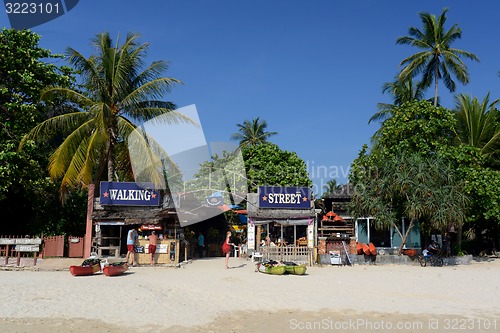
123,206
281,224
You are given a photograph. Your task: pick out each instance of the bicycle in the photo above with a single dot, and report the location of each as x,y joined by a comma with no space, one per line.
434,259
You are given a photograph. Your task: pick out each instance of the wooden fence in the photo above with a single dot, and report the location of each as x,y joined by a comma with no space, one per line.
19,248
298,254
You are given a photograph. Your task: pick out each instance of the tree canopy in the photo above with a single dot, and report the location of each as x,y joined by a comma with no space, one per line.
437,59
117,94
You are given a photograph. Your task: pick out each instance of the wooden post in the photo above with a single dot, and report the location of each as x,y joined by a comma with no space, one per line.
7,255
18,258
87,244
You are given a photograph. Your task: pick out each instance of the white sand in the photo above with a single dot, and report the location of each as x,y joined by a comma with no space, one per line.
205,297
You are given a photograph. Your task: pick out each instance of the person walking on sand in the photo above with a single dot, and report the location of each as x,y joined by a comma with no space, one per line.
131,238
153,239
226,247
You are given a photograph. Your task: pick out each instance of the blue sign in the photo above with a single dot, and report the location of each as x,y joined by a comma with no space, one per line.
128,194
284,197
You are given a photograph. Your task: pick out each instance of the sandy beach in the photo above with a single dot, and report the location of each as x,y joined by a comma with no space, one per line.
202,296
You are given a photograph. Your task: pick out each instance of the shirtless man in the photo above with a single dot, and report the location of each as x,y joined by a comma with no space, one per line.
153,239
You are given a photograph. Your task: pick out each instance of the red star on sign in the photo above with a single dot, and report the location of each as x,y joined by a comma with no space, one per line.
106,194
153,195
264,198
304,199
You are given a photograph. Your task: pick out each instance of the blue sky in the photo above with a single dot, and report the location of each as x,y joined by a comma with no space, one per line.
312,69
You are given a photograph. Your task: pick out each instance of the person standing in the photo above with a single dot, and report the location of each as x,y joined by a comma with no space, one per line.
201,244
131,238
226,247
153,240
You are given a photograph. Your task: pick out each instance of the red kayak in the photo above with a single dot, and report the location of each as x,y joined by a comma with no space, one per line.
373,249
115,269
366,249
359,248
84,270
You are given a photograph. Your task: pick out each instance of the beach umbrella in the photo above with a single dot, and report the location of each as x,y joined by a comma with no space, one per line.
338,218
324,218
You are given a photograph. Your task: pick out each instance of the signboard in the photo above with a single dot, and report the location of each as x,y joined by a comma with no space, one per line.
26,241
251,236
284,197
310,236
27,248
151,227
128,194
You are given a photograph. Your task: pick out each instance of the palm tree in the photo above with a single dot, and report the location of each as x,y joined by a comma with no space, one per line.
478,124
117,95
437,59
402,91
252,133
331,186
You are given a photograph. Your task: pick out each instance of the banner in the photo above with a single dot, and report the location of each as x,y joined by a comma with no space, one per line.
284,197
128,194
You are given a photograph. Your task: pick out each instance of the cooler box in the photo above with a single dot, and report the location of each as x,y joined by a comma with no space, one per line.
335,258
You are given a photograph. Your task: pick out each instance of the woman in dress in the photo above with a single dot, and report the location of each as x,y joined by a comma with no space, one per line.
226,247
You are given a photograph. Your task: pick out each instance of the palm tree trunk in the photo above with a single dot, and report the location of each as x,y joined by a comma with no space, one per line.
436,86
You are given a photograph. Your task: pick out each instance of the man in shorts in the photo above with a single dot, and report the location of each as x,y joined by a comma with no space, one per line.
131,238
153,239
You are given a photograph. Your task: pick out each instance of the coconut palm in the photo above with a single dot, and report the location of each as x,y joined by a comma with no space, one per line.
331,186
478,124
252,133
118,93
402,91
437,59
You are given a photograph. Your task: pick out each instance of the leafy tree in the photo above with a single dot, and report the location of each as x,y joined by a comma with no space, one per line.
267,164
26,194
417,127
117,93
437,58
412,186
252,133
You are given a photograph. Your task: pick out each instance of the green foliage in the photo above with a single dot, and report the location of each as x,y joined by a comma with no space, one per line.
478,125
408,185
252,133
118,91
436,58
417,127
266,164
28,199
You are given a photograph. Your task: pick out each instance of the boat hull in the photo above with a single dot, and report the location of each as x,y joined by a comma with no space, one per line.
366,249
115,270
84,270
359,248
273,270
296,269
